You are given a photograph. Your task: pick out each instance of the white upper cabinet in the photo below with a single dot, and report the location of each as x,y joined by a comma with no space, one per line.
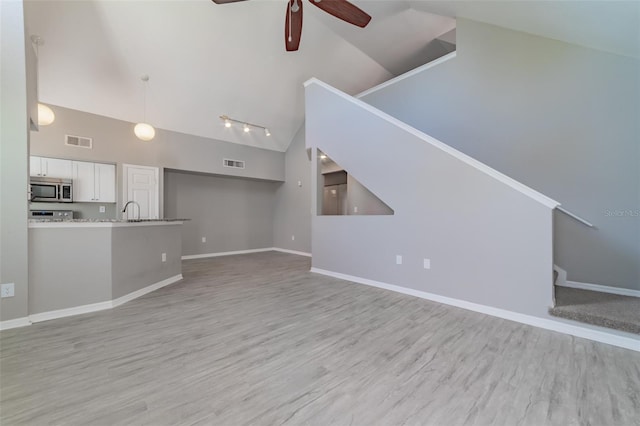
94,182
105,182
50,167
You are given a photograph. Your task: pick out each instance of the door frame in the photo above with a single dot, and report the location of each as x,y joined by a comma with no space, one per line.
125,183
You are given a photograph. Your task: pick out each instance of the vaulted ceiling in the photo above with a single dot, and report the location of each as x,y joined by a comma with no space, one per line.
205,60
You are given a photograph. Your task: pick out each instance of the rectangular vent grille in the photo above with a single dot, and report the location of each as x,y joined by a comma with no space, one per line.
78,141
233,163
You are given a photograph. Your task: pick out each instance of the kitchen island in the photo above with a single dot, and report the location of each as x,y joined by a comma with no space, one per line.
84,265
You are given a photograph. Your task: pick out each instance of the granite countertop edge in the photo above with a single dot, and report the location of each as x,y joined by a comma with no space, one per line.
75,223
105,220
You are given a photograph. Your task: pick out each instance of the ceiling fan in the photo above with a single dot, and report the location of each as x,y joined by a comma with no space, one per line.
341,9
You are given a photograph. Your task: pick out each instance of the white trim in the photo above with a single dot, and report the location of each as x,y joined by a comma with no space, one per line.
76,310
14,323
514,184
153,287
598,334
562,275
576,217
299,253
600,288
225,253
101,306
408,74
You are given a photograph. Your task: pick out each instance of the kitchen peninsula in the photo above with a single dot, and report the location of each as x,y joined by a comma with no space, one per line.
84,265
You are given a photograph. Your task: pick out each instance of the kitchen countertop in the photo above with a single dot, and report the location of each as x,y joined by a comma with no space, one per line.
62,223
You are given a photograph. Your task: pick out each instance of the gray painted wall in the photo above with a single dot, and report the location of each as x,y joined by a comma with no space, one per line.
560,118
136,253
75,266
114,141
14,146
68,267
366,202
487,242
293,202
232,213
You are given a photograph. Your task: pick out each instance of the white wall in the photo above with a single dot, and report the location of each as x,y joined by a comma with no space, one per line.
488,238
560,118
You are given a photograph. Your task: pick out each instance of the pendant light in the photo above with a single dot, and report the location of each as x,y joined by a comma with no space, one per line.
45,114
144,131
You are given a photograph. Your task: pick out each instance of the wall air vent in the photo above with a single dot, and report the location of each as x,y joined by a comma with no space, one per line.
233,163
79,141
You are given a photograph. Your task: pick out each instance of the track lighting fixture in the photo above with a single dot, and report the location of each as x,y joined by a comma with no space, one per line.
246,127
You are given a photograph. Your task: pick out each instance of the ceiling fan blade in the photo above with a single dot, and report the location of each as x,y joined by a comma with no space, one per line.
344,10
293,25
225,1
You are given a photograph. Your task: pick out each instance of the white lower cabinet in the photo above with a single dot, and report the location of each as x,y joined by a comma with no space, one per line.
94,182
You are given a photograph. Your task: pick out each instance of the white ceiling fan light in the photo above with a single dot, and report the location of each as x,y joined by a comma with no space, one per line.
45,114
144,131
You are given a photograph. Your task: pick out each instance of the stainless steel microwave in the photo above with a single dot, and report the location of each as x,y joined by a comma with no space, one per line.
50,190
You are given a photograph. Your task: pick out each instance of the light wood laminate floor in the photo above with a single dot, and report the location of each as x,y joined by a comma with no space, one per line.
257,339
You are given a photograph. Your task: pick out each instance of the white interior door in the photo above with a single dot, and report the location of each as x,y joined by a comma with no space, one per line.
141,185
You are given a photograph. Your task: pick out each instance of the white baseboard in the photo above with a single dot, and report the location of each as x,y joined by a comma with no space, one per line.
109,304
299,253
601,288
153,287
598,334
225,253
67,312
14,323
231,253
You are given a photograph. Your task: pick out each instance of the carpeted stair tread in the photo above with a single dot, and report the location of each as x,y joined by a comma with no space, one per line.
602,309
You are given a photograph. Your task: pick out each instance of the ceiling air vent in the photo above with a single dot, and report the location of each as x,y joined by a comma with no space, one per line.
78,141
233,163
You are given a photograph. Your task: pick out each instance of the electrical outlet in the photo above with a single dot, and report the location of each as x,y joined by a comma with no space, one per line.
204,239
293,238
427,263
355,209
164,257
398,259
103,209
7,290
300,184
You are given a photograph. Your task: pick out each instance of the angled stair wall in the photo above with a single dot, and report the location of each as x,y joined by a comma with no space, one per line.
488,238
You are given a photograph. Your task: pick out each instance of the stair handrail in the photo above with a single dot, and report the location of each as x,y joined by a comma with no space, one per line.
576,217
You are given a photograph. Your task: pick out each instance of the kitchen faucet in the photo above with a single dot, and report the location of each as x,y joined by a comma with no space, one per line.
124,210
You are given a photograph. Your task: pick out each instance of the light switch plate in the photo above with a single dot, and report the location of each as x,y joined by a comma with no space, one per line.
7,290
398,259
164,257
427,264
